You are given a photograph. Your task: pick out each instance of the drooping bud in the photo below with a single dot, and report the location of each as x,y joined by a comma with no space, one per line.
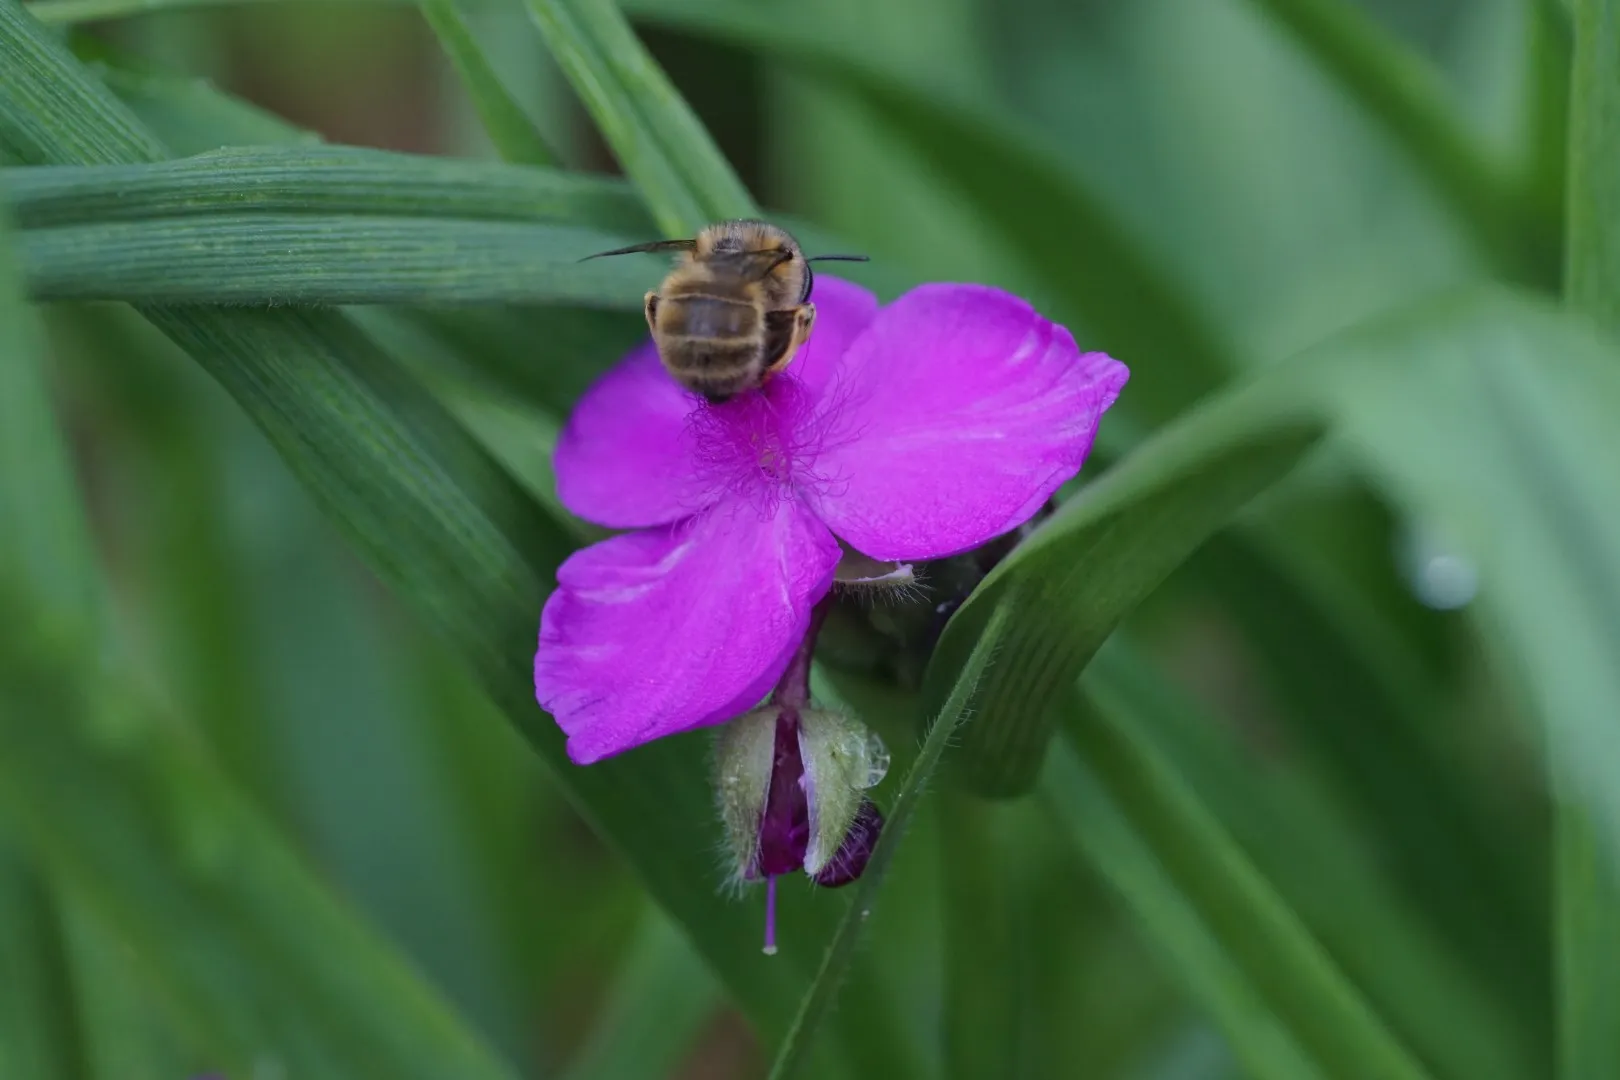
849,861
791,790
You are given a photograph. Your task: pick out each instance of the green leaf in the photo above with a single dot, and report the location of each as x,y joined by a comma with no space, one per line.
1491,409
334,225
1587,867
1286,1009
988,888
1592,254
37,1022
662,146
1318,859
445,528
229,923
317,259
794,1051
660,1000
514,135
45,541
1087,269
1080,573
1403,93
338,180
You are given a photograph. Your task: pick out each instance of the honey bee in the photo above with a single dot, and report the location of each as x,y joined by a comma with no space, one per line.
736,307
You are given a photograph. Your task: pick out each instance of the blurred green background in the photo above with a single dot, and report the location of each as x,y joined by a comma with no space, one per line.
1298,822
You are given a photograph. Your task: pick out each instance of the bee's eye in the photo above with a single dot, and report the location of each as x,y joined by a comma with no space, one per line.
809,283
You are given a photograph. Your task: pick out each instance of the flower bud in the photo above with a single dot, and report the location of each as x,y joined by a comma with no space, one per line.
790,787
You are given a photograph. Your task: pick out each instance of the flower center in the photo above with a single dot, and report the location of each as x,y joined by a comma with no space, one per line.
760,443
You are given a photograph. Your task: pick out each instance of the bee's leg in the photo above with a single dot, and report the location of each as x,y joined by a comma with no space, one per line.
798,322
652,312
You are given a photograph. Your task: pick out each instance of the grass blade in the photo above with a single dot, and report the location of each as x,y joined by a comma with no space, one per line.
1586,867
663,148
225,917
1088,270
1592,266
68,12
441,524
1402,93
794,1051
39,1035
1267,976
319,179
513,133
1316,857
273,259
45,540
659,1002
1097,557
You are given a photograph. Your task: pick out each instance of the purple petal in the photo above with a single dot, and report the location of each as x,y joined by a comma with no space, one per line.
784,828
672,628
952,419
850,860
843,311
625,459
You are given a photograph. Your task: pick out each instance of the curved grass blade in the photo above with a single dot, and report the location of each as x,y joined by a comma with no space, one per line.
39,1034
1404,95
1315,856
659,1002
1490,409
275,259
45,540
1592,249
794,1051
319,179
227,919
1097,276
445,528
69,12
1586,868
334,225
1099,556
1285,1007
663,147
513,133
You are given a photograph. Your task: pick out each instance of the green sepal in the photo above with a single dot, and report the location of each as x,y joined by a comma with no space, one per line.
743,755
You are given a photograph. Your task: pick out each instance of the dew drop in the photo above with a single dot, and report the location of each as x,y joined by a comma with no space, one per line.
877,760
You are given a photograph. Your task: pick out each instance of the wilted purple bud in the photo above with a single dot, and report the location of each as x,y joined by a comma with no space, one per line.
790,784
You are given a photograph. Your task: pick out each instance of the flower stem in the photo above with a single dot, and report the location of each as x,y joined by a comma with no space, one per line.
770,915
794,687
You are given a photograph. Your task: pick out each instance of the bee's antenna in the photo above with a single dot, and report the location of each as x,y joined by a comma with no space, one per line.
839,258
636,249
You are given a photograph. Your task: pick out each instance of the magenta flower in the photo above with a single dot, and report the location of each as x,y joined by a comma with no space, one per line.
907,433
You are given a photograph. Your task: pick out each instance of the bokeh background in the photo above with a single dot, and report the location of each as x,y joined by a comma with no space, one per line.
1323,689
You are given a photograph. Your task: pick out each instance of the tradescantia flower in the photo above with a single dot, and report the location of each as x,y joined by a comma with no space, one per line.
904,433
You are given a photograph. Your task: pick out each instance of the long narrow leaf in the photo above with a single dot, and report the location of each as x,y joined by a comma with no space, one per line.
792,1055
664,149
225,917
1265,974
1099,556
440,523
319,179
272,259
509,128
657,1006
1315,857
1587,882
1100,277
43,538
1403,93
